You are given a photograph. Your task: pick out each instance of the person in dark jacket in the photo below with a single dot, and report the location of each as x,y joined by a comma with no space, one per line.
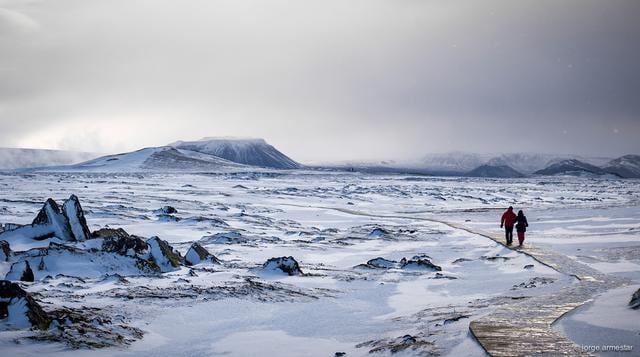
507,221
521,226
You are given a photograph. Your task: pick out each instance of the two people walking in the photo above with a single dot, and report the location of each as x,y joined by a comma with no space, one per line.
509,220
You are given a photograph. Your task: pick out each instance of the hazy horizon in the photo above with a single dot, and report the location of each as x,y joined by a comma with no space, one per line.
323,81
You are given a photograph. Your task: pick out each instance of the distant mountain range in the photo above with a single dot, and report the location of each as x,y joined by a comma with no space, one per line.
218,154
11,158
506,165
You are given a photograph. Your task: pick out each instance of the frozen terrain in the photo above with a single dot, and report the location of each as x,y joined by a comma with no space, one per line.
368,263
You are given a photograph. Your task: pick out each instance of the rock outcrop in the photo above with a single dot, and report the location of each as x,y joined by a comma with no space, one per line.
68,223
166,210
120,242
163,254
379,263
19,309
52,222
198,254
286,265
72,211
419,262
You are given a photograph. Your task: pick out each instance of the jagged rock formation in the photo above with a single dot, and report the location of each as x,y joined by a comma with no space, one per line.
72,211
163,254
283,264
140,256
68,223
197,254
19,309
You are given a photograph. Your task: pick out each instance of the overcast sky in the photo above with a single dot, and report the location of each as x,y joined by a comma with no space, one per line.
323,80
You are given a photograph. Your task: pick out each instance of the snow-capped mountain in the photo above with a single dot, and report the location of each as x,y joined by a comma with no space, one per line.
571,167
627,166
11,158
165,158
500,171
525,163
254,152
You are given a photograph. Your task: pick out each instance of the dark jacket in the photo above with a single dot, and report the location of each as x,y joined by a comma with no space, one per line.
521,223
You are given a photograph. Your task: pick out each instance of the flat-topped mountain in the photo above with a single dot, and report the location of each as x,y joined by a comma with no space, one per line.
254,152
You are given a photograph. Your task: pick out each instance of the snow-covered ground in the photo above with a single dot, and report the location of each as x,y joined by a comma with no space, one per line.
332,224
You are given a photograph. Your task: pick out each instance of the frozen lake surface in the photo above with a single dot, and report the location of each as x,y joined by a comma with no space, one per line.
335,225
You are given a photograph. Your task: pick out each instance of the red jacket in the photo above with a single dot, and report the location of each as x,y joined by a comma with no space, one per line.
508,218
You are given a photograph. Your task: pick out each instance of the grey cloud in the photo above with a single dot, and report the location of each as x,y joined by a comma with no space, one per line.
327,80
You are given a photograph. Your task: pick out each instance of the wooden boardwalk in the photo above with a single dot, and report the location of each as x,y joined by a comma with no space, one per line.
524,328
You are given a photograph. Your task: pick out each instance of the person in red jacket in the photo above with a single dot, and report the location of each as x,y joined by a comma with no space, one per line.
507,221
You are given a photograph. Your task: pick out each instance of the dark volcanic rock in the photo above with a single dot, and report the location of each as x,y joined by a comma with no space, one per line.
52,222
5,250
167,210
119,241
197,254
14,301
163,254
68,223
44,216
635,300
285,264
20,271
419,262
382,263
110,233
72,211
